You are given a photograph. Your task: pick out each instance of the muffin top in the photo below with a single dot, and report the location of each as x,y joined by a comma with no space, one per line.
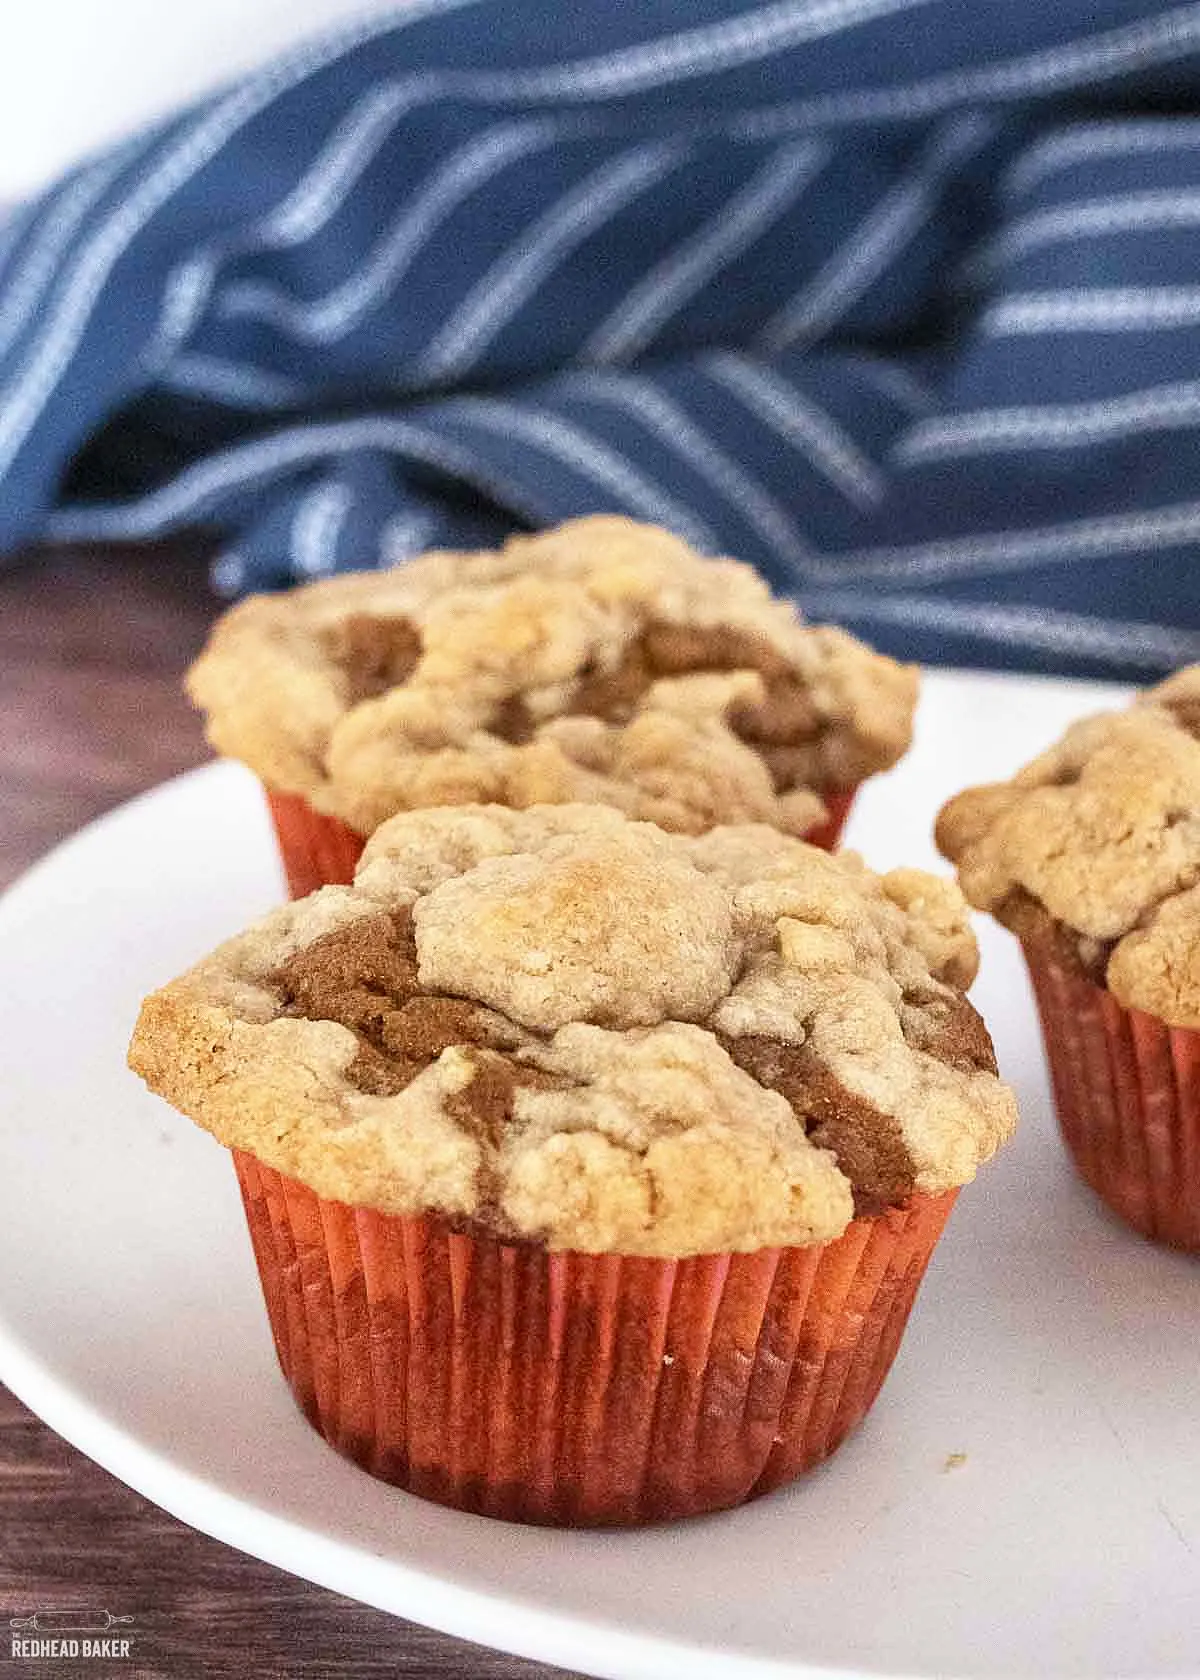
561,1025
1094,849
603,661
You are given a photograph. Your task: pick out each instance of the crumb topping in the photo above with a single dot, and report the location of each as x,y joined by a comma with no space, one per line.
602,661
1095,847
581,1030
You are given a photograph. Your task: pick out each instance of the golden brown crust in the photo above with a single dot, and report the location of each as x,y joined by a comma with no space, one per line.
560,1024
602,661
1102,834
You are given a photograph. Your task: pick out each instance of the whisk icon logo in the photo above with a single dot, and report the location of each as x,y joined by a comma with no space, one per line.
71,1634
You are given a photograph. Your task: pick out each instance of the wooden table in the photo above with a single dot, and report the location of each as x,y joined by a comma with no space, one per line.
92,646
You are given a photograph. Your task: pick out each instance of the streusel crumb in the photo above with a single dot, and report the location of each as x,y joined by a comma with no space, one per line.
569,1027
1095,846
602,661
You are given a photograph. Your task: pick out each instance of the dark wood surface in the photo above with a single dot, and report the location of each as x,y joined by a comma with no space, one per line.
92,646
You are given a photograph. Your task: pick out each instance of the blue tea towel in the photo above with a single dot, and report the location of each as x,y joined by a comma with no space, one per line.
898,299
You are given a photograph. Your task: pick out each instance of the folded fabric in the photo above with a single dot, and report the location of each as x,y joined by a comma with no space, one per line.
899,299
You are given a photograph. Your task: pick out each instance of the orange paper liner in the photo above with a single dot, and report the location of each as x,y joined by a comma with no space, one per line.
317,851
1127,1093
577,1389
828,833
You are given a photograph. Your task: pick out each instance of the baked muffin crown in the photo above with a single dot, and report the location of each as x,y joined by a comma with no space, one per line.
567,1027
601,661
1095,845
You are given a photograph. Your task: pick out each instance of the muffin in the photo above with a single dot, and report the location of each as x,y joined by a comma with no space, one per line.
603,662
1091,856
591,1170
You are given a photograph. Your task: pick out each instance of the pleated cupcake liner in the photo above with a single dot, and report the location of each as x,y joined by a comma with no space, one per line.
828,834
578,1389
317,851
1127,1094
321,851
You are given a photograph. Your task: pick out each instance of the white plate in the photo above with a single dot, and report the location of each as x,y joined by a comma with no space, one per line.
1051,1347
